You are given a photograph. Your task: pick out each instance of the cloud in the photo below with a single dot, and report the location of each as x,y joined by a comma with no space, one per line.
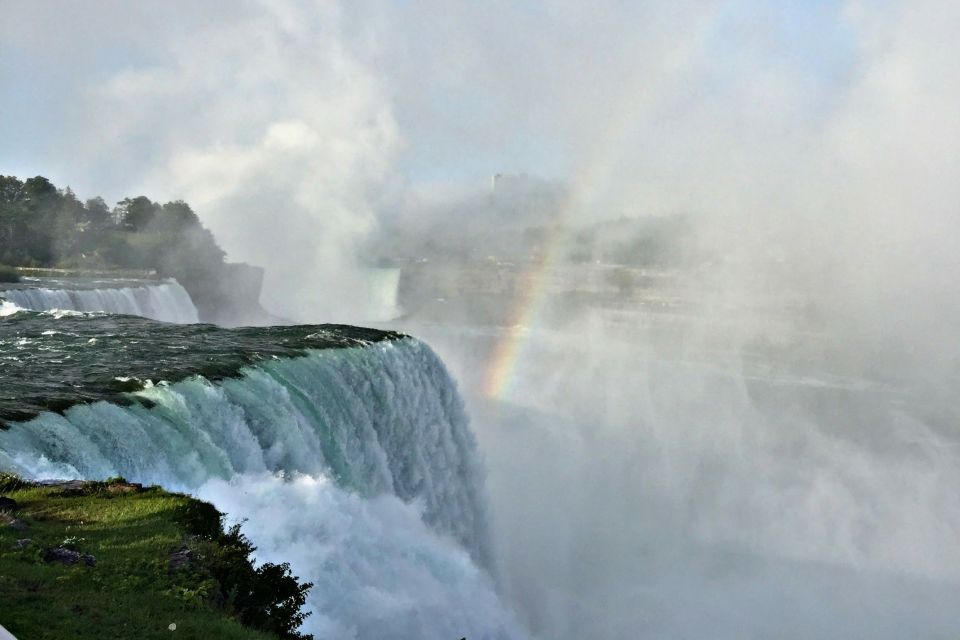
823,133
273,130
295,126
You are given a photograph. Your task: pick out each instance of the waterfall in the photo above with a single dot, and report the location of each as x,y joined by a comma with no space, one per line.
356,464
167,301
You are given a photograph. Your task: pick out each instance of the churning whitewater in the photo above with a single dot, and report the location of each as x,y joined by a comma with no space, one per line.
166,301
357,465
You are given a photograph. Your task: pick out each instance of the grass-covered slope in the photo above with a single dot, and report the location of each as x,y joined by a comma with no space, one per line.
146,559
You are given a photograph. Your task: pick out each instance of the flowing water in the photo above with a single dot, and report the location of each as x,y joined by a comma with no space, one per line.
348,450
166,301
646,479
662,477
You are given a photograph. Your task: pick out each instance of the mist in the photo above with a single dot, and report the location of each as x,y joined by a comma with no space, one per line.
752,436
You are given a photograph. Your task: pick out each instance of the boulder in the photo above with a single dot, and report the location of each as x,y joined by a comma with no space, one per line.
8,519
68,557
70,487
180,559
124,487
8,504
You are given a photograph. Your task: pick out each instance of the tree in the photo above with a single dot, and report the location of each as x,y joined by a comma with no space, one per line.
178,215
9,189
42,226
136,214
36,220
67,226
9,213
97,214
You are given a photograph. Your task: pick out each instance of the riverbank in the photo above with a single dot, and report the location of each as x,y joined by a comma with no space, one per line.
98,560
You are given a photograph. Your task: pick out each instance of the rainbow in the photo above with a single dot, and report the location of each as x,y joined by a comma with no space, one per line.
585,185
530,290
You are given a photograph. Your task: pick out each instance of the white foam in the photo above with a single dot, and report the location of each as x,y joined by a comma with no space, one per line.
167,301
386,514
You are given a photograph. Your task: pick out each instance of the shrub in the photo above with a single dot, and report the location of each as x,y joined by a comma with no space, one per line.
267,597
8,274
11,482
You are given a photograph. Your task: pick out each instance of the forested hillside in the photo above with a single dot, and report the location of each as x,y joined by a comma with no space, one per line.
43,226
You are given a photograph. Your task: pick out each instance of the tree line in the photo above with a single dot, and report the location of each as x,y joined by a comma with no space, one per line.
43,226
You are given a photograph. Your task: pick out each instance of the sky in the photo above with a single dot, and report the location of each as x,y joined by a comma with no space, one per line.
823,130
471,90
807,117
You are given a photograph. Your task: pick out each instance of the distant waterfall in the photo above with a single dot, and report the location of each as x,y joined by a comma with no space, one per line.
167,301
382,501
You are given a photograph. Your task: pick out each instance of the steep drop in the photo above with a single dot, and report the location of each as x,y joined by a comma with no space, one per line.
166,301
355,464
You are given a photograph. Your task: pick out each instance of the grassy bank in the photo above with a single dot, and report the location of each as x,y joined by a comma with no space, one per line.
148,559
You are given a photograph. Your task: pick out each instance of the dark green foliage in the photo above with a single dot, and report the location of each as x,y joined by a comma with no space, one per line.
268,597
136,214
201,519
11,482
275,601
41,226
8,274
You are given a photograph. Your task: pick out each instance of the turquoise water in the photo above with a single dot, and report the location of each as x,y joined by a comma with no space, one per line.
348,451
51,361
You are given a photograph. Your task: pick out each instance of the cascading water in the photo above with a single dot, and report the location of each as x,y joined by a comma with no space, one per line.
167,301
356,465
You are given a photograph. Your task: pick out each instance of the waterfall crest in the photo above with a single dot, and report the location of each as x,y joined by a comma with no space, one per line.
166,301
357,462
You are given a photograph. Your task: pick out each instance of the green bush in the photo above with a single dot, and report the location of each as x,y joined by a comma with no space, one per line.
201,519
267,597
43,226
11,482
8,274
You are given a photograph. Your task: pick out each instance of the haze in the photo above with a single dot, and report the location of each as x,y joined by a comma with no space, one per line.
760,443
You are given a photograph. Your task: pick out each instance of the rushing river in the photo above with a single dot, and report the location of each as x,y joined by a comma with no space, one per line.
348,450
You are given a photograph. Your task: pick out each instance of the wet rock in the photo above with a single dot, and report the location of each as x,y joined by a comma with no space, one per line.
8,504
71,487
68,557
124,487
74,488
9,520
180,559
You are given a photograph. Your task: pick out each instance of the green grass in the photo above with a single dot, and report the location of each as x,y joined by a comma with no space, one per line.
131,592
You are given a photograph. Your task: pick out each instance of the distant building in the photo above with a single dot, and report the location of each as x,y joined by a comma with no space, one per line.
509,181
